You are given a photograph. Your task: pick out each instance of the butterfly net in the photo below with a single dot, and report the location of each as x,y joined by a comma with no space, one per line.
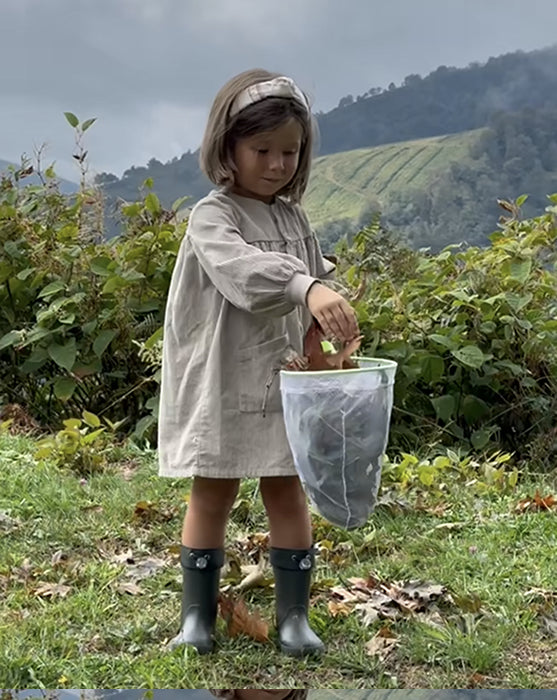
337,423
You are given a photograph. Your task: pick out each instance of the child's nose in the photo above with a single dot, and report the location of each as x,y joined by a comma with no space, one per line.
276,161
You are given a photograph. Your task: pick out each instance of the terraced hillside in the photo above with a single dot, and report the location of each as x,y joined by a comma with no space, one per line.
343,184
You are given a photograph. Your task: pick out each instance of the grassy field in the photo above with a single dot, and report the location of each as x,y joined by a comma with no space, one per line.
342,184
90,586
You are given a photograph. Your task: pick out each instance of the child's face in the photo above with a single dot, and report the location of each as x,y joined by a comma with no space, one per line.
253,694
266,162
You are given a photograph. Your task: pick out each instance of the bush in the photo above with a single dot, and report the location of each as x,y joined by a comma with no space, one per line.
473,330
74,307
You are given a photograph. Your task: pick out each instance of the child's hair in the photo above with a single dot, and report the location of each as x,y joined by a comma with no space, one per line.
223,131
231,694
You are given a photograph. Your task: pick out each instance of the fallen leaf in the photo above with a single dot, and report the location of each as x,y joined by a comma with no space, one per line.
129,587
123,558
536,503
7,522
382,644
145,568
541,593
59,558
550,623
477,680
338,609
240,621
423,592
52,590
254,576
147,511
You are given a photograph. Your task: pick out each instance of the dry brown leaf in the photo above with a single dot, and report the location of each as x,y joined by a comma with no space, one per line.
52,590
536,503
240,621
254,576
147,512
145,568
129,587
123,558
338,609
382,644
59,558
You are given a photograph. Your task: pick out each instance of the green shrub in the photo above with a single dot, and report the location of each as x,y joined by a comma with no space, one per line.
73,306
474,332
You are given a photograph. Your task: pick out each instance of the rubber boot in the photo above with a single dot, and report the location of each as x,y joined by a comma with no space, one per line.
200,592
292,569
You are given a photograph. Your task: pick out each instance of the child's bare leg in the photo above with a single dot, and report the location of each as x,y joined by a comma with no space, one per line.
207,513
287,510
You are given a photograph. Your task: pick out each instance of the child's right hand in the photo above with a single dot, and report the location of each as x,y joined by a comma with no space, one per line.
333,313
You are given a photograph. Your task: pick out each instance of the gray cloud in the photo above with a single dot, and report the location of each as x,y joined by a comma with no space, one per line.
148,70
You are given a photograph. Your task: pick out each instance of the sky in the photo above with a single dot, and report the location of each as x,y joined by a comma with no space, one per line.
149,69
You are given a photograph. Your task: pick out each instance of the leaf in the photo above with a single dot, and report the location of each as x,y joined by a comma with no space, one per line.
240,621
51,289
536,503
64,387
518,301
52,590
382,644
470,355
102,341
91,419
520,269
72,119
480,439
152,203
254,577
432,367
63,355
9,339
129,587
337,609
87,123
444,406
100,265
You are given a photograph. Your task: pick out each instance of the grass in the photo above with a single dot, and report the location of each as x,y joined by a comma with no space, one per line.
58,531
343,184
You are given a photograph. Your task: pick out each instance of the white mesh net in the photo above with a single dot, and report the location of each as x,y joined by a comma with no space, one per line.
338,425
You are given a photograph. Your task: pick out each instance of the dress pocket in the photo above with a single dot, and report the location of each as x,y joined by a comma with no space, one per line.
259,366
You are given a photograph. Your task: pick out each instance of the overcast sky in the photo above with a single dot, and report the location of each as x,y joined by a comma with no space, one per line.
148,69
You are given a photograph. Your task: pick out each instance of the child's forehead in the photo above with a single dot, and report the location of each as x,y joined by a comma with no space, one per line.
288,131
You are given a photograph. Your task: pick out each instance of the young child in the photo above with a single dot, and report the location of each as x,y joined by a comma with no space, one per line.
243,292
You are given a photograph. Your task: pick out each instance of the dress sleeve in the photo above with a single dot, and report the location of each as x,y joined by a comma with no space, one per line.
257,281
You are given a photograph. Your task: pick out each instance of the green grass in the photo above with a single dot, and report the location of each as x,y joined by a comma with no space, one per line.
342,184
55,529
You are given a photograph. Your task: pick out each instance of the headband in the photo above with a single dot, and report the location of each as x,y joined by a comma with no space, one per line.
277,87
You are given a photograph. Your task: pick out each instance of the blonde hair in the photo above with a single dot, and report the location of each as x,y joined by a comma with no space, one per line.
231,694
222,131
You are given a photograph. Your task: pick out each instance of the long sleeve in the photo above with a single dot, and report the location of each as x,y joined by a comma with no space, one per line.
257,281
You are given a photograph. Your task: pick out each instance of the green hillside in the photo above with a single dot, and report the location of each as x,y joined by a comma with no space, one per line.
342,185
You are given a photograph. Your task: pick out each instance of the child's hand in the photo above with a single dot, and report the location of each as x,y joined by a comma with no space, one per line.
333,313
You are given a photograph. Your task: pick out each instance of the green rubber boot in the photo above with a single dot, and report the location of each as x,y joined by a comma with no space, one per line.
200,592
292,568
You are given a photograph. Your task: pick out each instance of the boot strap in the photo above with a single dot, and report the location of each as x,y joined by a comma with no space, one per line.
292,559
202,559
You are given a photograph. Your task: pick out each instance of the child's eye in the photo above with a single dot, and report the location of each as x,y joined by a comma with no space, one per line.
263,150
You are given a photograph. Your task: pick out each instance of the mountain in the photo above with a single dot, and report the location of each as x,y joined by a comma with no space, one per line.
440,190
448,100
66,186
452,143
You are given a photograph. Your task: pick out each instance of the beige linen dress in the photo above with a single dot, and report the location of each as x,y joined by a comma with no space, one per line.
236,304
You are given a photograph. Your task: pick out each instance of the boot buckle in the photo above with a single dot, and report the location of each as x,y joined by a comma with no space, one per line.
201,562
305,563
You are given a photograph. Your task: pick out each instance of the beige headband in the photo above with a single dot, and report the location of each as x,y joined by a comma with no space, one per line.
277,87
